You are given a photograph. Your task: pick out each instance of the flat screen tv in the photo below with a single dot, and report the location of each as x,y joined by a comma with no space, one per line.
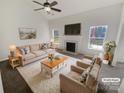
73,29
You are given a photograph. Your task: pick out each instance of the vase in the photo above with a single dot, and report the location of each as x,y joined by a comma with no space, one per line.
50,59
106,56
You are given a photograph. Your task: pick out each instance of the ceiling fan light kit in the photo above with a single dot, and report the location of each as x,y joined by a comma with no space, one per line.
48,7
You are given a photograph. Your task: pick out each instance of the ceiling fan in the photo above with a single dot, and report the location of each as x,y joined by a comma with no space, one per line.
47,6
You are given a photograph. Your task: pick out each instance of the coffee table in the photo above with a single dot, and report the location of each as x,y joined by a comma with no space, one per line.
54,66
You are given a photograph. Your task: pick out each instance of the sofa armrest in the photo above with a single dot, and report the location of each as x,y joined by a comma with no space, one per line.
77,69
19,55
70,85
83,65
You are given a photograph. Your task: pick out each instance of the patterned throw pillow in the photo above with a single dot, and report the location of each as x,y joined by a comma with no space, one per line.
41,46
25,50
85,74
48,45
94,59
44,45
22,51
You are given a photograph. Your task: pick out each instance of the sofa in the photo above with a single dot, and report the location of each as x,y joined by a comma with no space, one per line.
71,82
32,53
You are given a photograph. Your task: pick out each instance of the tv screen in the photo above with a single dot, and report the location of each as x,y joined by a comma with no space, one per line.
73,29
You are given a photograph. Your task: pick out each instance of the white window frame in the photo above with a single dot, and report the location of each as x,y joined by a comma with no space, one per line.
96,47
54,35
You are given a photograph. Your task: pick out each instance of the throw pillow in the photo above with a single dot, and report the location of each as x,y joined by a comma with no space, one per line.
22,51
41,46
95,70
48,45
84,74
27,50
94,59
44,46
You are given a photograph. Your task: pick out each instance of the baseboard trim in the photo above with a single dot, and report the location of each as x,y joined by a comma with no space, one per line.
121,60
1,60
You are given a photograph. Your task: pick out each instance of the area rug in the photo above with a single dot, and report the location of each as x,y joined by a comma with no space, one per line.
41,83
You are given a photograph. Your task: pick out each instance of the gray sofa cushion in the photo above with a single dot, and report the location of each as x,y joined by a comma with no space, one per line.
39,52
74,75
28,56
49,50
35,47
86,61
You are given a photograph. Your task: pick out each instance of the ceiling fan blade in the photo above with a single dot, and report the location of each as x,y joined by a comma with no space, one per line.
58,10
53,3
37,3
38,9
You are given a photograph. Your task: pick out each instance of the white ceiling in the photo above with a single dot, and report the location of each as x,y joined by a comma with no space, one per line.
71,7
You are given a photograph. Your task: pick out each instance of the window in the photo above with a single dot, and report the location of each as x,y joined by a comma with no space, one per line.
56,36
97,36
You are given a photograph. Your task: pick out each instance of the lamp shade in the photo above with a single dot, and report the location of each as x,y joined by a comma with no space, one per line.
12,47
52,40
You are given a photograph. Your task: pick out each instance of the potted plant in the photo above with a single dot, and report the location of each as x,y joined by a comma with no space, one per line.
109,48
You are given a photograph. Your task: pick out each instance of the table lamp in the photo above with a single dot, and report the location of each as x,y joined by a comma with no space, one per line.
12,49
51,42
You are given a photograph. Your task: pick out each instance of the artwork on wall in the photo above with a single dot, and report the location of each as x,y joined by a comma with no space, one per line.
27,33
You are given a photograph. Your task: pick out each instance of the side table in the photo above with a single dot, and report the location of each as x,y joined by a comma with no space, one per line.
14,61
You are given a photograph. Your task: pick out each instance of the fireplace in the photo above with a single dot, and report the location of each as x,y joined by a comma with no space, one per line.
70,46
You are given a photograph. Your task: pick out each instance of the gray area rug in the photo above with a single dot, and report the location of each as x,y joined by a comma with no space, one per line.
108,71
41,83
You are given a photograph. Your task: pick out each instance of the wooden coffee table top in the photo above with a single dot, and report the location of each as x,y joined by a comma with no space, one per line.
55,62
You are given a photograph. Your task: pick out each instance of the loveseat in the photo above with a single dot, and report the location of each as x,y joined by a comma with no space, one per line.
32,52
71,82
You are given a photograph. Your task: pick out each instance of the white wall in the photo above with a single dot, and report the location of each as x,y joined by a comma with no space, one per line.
15,14
121,40
119,52
103,16
121,46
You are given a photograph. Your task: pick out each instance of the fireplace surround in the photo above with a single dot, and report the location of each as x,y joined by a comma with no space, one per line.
71,46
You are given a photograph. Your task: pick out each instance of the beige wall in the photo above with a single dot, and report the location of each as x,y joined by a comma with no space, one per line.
15,14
